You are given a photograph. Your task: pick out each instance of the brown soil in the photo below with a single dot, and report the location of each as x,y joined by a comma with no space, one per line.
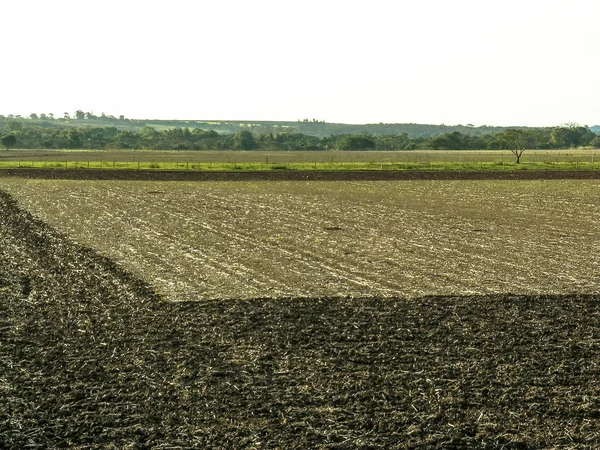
90,357
291,175
255,239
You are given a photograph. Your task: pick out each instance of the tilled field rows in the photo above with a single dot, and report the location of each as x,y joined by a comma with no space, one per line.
296,175
91,358
383,239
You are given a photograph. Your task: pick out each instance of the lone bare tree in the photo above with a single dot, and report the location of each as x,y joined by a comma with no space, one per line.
517,141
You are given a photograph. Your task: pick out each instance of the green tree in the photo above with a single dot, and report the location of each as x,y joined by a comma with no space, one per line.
517,141
244,140
393,142
571,135
8,141
450,141
356,142
13,125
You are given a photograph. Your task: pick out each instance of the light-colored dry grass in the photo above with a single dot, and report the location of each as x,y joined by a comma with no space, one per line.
269,239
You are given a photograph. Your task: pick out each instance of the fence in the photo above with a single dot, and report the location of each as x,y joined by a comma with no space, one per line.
324,160
575,164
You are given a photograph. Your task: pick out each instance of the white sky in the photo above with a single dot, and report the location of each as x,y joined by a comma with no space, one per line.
509,62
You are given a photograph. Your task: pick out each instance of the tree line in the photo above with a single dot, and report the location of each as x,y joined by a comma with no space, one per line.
21,134
311,127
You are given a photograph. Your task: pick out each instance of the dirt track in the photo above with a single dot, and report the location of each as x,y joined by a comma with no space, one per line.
291,175
91,358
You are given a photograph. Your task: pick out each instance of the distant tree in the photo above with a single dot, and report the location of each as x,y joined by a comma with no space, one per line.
596,142
33,116
13,125
360,142
79,114
244,140
9,141
292,141
66,115
198,133
149,132
74,138
517,141
43,116
541,137
393,142
450,141
571,135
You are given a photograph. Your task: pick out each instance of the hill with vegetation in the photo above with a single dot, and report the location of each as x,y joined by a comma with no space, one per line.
84,130
309,127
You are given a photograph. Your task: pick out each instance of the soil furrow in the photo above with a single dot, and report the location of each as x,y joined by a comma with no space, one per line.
292,175
90,357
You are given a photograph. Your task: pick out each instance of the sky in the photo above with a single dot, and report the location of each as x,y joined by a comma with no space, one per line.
480,62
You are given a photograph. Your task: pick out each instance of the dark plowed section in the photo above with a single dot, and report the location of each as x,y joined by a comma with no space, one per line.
90,358
292,175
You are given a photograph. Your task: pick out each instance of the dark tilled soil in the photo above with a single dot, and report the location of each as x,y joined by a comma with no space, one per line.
293,175
90,357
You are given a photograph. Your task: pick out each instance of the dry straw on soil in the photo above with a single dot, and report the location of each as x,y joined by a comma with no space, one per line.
91,358
303,239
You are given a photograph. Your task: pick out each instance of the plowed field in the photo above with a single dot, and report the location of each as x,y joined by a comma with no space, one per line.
90,357
248,239
285,314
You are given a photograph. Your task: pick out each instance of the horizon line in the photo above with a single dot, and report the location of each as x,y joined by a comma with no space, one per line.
310,121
